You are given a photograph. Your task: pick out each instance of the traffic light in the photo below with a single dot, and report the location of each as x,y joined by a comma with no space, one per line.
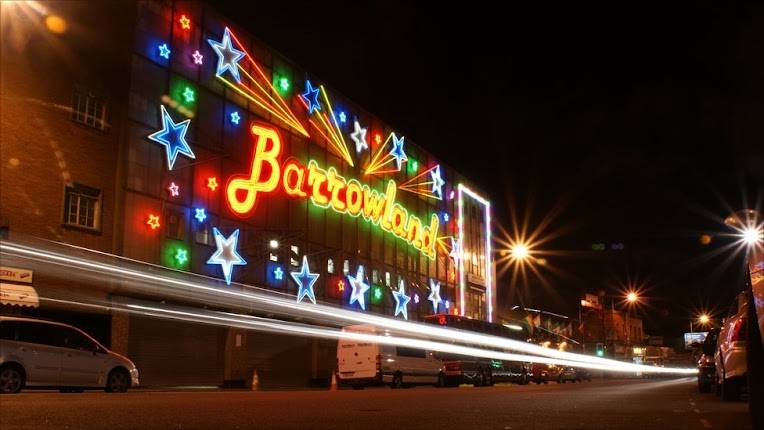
600,350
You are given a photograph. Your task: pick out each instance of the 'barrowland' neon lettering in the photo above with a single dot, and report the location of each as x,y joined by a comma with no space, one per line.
327,189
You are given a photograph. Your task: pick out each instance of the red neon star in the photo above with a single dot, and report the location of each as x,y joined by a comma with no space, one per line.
185,23
212,183
174,189
153,221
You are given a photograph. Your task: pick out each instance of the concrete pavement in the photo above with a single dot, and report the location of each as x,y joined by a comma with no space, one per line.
636,404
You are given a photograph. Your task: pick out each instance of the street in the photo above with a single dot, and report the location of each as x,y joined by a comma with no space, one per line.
625,404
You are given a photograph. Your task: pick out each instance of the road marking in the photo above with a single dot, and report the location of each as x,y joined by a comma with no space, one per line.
696,410
705,423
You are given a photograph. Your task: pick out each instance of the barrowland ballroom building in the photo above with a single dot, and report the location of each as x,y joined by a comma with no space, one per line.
201,150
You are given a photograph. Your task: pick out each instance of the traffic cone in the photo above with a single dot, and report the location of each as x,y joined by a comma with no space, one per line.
255,380
333,386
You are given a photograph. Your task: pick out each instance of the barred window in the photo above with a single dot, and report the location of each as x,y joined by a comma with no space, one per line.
83,207
88,109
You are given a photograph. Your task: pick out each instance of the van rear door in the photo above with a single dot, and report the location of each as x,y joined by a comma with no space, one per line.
356,359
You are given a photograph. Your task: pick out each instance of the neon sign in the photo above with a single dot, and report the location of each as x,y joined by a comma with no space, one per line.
327,189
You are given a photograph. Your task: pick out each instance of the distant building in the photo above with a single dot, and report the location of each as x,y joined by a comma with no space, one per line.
618,331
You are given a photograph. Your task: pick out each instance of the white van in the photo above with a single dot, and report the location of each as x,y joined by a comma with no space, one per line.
364,363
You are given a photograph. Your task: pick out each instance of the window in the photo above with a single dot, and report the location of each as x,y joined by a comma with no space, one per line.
202,234
43,334
175,224
346,267
294,257
82,207
8,330
410,352
76,340
88,109
387,279
330,266
375,276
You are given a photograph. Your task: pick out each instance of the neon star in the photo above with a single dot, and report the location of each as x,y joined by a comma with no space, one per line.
173,137
401,301
153,221
305,281
164,51
359,288
185,23
198,57
359,137
437,182
278,274
343,117
212,183
188,94
181,256
200,214
228,56
174,190
226,255
235,118
397,152
434,296
455,250
311,97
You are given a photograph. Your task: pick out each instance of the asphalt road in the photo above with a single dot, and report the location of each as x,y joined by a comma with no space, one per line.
638,404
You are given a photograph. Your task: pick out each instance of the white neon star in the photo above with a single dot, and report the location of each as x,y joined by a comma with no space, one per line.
434,295
228,56
455,250
359,288
226,255
437,182
359,137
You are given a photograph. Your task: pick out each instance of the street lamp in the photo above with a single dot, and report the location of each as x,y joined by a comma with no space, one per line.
632,297
704,319
519,251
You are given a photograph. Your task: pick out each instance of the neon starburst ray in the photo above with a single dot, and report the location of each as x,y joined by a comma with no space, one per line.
329,128
257,89
425,184
444,244
384,160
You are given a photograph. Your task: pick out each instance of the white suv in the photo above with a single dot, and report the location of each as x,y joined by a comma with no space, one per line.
730,356
45,354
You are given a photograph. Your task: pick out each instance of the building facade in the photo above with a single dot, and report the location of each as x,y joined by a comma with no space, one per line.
182,141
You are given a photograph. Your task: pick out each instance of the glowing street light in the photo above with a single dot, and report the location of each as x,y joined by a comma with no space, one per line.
704,319
752,235
632,297
520,251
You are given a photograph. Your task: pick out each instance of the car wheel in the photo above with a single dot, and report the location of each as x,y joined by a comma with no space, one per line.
488,379
397,381
730,390
118,381
12,379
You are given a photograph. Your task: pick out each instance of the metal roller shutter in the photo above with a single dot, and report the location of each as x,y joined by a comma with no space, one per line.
177,353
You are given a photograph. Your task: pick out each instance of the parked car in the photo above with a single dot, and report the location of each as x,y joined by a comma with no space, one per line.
730,352
540,373
47,354
566,374
360,363
706,366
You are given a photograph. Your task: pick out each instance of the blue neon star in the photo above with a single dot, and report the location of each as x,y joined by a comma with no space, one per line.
311,96
278,274
173,137
437,182
164,51
305,281
397,151
200,214
343,117
434,296
226,255
235,118
228,56
359,288
401,301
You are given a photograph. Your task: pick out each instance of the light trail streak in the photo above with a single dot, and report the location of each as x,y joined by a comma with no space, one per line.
283,327
273,302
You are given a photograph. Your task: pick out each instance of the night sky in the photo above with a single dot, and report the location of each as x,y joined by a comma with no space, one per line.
640,126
